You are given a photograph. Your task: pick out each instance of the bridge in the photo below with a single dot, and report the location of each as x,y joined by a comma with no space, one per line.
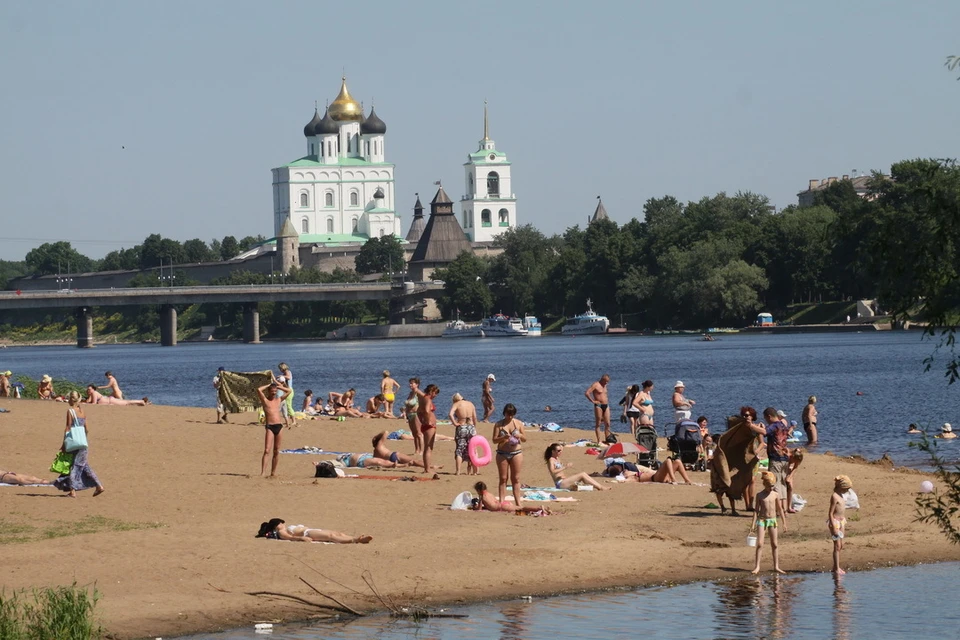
83,300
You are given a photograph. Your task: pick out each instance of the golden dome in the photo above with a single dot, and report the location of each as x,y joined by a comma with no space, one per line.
344,108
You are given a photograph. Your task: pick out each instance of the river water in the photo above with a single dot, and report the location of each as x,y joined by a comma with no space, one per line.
886,368
857,605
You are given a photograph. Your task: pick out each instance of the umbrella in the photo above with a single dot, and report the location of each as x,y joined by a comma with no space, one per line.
622,449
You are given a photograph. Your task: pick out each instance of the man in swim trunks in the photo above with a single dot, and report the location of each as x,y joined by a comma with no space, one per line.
388,389
463,416
598,397
487,396
768,507
273,423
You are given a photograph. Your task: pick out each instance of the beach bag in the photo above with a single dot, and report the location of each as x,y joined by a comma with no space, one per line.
462,502
798,503
76,438
611,439
62,463
850,499
326,469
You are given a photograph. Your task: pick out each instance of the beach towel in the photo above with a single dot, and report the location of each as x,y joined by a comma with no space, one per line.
315,451
734,459
4,484
238,391
551,426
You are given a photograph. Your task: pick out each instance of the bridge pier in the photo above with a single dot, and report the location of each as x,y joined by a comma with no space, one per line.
251,323
84,328
168,325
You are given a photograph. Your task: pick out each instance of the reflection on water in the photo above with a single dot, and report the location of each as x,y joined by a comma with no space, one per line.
885,603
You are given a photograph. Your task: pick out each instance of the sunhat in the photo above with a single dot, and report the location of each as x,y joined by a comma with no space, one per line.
946,428
680,385
781,413
490,376
46,378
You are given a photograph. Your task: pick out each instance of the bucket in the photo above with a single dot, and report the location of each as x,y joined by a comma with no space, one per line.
751,540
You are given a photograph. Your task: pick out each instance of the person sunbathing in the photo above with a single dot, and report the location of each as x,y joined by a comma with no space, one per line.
376,407
277,529
552,458
95,397
486,502
380,451
366,461
343,404
667,473
12,477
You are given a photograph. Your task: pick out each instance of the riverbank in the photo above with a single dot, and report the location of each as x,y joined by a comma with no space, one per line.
171,545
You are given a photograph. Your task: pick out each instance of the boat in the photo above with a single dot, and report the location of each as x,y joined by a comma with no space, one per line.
587,323
532,325
501,326
460,329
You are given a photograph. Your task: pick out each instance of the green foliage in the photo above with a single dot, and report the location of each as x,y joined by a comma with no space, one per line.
53,613
157,250
9,270
465,287
56,257
380,255
229,248
940,508
61,387
121,260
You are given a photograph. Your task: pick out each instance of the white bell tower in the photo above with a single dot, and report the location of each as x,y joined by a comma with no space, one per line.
489,207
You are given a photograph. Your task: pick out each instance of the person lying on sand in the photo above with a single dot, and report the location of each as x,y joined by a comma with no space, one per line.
366,461
12,477
487,502
666,473
381,452
276,529
95,397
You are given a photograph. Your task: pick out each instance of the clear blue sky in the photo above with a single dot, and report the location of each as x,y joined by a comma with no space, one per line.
628,100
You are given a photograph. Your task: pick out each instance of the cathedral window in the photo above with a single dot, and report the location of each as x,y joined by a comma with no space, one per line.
356,223
329,225
485,218
493,184
354,199
383,232
504,218
304,199
304,226
328,199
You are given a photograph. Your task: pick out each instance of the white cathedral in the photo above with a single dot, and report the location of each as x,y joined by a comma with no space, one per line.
342,190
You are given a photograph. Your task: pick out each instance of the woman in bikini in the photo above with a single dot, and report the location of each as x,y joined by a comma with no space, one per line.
410,409
427,415
487,502
644,402
95,397
12,477
508,437
45,388
276,529
343,404
388,389
552,457
366,461
381,452
666,473
809,419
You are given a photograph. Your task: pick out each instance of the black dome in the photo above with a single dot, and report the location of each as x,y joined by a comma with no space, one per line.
326,125
373,124
309,129
378,193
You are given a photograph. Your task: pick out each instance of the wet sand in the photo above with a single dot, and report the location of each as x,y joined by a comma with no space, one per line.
192,490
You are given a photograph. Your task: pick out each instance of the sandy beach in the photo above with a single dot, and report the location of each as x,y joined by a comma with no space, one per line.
171,545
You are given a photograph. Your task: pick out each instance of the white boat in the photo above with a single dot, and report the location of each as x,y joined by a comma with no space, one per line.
586,323
501,326
460,329
532,325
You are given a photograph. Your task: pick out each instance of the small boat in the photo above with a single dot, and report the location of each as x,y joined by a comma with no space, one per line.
460,329
532,325
501,326
587,323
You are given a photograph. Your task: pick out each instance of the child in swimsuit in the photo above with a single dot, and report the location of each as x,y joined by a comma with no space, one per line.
836,520
768,507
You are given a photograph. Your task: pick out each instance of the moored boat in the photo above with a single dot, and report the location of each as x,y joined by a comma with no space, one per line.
501,326
587,323
532,325
460,329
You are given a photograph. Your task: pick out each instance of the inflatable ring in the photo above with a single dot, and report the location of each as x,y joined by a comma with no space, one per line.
483,458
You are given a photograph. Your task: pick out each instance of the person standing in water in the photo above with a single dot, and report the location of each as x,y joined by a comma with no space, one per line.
768,508
809,419
837,520
113,386
273,424
599,398
388,389
487,396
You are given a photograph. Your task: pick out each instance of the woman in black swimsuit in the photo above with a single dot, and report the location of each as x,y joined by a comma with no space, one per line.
508,437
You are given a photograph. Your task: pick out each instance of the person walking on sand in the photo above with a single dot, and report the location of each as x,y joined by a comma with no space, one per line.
681,404
273,425
508,436
217,382
463,416
599,398
767,509
809,419
113,386
388,389
427,415
286,380
836,518
81,475
487,396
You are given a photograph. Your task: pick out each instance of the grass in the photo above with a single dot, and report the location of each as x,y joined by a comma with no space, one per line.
52,613
15,532
61,387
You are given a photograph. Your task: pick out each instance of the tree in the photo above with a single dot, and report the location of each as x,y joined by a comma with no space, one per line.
157,250
521,272
229,248
56,257
246,243
121,260
196,250
380,255
10,270
465,288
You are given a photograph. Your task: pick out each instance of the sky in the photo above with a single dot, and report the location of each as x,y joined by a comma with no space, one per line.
123,119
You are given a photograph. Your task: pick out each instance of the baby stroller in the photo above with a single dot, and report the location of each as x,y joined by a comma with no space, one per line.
685,445
647,438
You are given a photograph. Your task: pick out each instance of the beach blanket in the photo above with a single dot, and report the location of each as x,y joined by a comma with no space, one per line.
4,484
734,459
551,426
238,391
315,451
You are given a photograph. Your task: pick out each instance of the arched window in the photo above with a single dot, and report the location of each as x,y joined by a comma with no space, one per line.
504,218
354,198
464,219
356,223
383,232
471,218
485,218
329,148
493,184
329,225
304,199
328,199
304,226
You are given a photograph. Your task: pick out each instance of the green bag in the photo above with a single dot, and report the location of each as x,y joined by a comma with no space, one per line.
62,463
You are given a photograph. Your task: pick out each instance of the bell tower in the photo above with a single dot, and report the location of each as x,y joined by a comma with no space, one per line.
489,207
